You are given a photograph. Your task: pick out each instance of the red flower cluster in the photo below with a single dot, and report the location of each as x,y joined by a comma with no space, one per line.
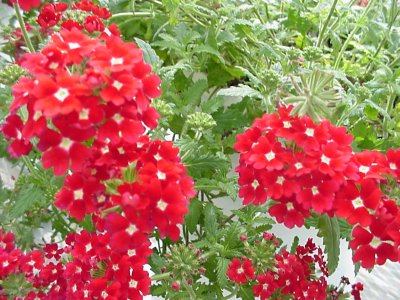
291,275
88,110
53,14
96,271
303,166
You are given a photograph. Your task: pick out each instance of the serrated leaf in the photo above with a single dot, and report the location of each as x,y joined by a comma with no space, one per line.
205,162
210,50
193,94
232,235
150,56
212,105
210,220
329,230
193,216
239,91
222,267
294,244
25,199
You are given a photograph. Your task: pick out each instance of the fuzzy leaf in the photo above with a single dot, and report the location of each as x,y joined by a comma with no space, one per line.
239,91
211,105
222,267
329,230
210,220
210,50
150,56
193,94
25,199
192,218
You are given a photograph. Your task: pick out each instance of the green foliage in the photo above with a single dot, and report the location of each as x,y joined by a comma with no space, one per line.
329,230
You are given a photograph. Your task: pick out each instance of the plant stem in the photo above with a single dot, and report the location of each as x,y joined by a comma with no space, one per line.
351,35
262,21
132,14
389,108
23,28
189,289
159,277
322,33
392,21
233,293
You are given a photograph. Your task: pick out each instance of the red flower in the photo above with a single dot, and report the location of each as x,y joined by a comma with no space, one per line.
59,96
240,271
27,5
12,130
80,195
289,212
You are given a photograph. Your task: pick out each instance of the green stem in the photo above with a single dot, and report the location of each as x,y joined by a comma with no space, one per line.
262,21
189,289
132,14
325,26
162,276
351,35
233,293
23,28
392,21
389,109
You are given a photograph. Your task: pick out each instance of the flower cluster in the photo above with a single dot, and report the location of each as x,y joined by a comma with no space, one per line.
291,275
84,15
87,103
306,167
95,272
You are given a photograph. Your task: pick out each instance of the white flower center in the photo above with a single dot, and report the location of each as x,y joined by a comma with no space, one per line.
116,61
363,169
73,46
314,190
84,114
78,194
131,252
325,159
118,85
88,247
280,179
118,118
255,184
298,165
286,124
61,94
393,166
161,175
309,132
133,283
131,229
289,206
357,202
270,155
66,143
162,205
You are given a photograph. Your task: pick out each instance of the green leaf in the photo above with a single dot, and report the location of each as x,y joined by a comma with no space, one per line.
241,91
212,105
329,230
193,216
246,293
209,50
206,162
25,199
210,220
222,267
294,245
193,94
150,56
